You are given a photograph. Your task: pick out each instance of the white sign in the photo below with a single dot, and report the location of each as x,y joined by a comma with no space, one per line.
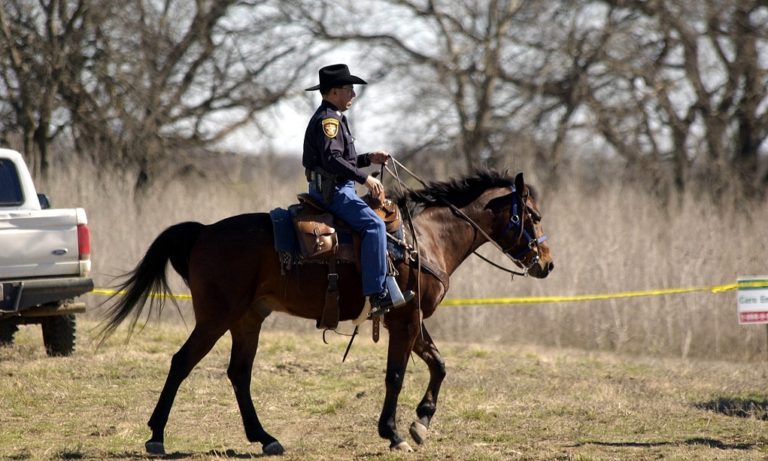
752,296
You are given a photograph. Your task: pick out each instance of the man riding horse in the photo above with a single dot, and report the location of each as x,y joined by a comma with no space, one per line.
332,168
455,217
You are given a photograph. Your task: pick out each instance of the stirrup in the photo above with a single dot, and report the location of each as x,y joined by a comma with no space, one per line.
397,297
391,299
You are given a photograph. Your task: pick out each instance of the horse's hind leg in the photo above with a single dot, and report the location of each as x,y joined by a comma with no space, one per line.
245,341
199,343
426,349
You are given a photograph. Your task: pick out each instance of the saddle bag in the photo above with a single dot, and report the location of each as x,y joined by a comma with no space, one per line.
316,234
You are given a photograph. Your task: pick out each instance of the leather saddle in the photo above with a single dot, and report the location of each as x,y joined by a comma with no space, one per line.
322,238
318,231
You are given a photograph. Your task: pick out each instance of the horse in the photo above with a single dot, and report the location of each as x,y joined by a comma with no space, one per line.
234,275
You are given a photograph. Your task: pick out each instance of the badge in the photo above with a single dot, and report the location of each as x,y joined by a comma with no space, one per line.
330,127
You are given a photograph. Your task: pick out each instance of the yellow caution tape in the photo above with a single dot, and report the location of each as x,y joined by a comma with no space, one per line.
537,299
593,297
108,292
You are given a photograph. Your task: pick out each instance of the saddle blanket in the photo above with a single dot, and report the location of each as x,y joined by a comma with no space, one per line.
282,228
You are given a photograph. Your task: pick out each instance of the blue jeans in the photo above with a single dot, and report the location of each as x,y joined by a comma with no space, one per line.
348,206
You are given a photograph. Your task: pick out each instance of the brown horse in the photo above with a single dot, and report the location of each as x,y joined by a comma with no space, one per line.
234,275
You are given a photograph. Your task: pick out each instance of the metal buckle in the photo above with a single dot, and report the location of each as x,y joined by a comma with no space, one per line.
333,281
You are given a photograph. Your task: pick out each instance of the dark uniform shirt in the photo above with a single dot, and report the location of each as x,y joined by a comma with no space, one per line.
328,144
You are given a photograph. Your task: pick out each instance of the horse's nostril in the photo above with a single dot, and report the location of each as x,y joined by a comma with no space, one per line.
550,267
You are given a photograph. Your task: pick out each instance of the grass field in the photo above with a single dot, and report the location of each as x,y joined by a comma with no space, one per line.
498,402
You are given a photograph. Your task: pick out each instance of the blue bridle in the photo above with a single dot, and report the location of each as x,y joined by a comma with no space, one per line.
516,224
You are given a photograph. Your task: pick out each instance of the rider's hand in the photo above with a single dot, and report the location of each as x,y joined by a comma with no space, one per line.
380,157
377,191
375,186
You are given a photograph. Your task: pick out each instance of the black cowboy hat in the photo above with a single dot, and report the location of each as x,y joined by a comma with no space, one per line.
336,75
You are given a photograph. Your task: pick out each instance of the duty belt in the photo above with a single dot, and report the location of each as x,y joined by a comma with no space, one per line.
324,182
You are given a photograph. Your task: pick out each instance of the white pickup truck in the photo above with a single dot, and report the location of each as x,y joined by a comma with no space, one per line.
44,260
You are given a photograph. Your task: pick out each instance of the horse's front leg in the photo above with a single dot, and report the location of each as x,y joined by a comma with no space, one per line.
425,348
402,334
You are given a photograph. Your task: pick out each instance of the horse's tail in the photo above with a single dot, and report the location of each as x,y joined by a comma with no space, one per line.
148,280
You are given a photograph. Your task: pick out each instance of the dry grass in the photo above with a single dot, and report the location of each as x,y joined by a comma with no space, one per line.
605,239
498,402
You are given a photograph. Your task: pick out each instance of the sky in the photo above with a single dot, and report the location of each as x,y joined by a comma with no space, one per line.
285,124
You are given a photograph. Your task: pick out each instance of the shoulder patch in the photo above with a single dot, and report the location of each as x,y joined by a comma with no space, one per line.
330,127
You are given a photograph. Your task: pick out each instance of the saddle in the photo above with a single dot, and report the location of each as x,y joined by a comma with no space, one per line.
316,229
322,238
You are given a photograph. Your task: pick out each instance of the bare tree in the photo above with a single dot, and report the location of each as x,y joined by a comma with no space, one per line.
449,58
678,89
40,43
143,79
177,76
674,88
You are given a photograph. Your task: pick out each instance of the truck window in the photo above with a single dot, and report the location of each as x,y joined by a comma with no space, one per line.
10,188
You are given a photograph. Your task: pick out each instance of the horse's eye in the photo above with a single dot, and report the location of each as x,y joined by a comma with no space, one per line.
536,217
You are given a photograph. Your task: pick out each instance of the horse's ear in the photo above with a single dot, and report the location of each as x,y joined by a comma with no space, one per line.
519,182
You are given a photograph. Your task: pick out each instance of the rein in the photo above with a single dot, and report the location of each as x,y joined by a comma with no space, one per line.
463,215
500,267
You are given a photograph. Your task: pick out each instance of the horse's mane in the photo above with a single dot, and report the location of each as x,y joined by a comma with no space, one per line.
459,192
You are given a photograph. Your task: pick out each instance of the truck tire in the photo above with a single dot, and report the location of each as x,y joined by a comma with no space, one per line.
7,330
59,335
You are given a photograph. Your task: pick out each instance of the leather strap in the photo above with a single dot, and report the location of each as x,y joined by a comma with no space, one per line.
432,269
375,329
329,319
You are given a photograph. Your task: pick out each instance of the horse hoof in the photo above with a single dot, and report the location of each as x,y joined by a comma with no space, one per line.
273,449
418,432
402,446
154,448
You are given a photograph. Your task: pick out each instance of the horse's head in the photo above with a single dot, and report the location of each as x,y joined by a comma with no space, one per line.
505,209
517,228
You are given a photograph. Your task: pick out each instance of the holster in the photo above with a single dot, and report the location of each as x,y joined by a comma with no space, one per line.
324,182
